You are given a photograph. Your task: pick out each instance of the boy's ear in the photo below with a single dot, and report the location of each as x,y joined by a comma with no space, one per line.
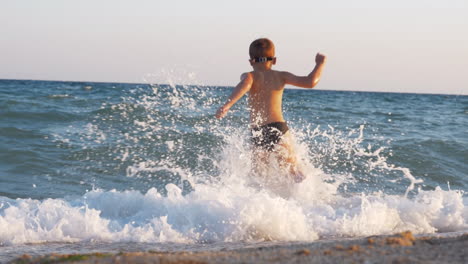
251,62
274,61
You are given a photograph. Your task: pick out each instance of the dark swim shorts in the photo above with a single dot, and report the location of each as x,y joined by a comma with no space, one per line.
267,136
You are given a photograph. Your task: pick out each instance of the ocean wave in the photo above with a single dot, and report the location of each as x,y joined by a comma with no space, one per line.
20,133
59,96
48,116
182,176
226,214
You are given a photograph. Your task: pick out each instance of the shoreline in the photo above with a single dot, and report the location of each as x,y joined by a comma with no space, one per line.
398,248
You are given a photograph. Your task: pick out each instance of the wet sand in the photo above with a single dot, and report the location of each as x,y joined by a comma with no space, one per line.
399,248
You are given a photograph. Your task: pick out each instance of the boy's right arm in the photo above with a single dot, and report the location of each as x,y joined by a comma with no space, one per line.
242,88
310,80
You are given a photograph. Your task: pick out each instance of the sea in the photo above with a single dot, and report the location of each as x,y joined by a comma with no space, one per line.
109,167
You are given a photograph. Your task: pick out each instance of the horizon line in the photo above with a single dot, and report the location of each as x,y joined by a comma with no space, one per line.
224,86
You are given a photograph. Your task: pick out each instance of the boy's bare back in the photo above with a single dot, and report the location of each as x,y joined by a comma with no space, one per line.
266,86
265,98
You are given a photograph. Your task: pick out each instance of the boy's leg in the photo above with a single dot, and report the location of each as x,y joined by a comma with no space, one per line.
259,160
288,157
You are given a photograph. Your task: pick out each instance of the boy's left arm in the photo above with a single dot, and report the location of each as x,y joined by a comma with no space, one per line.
242,88
310,80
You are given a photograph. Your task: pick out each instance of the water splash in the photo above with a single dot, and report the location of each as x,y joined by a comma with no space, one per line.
200,187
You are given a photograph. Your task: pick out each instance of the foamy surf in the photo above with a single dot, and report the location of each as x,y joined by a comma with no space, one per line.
222,213
201,188
233,207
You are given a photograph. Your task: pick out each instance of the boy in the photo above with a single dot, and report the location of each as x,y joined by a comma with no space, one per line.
265,87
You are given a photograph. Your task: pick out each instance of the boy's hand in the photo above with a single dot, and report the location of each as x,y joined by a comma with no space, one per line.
320,58
222,111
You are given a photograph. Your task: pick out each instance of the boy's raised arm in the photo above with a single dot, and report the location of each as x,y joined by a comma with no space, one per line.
310,80
242,88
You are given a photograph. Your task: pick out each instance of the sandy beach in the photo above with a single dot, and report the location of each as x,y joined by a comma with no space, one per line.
399,248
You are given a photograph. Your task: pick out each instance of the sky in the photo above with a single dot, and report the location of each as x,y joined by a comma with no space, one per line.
416,46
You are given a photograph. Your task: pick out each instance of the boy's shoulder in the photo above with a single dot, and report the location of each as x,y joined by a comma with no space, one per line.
247,76
253,73
250,77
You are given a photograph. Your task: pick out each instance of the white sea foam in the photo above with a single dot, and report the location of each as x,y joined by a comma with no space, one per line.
232,205
225,213
58,96
237,207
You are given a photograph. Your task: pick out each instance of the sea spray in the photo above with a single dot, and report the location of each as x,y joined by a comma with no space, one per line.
197,184
224,214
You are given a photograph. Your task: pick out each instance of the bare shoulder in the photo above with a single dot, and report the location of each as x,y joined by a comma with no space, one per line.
285,74
247,77
290,78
